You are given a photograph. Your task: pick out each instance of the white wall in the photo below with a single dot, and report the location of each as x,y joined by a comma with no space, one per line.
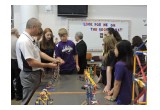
17,17
135,13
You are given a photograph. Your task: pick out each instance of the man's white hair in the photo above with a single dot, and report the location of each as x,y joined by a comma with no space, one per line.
79,34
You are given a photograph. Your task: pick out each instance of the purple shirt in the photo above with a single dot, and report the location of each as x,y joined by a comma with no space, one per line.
125,76
66,51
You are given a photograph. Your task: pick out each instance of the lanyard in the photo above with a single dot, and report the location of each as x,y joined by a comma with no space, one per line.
34,43
29,38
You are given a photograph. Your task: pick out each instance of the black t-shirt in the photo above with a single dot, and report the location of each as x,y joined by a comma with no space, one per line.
49,52
111,61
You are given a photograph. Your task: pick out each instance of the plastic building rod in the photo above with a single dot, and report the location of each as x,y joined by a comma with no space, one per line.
91,80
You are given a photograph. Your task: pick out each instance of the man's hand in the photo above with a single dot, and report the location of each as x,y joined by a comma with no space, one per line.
78,68
51,65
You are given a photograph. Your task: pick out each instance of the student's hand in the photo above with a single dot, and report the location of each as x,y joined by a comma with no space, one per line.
51,65
110,98
106,89
62,61
54,60
59,60
78,68
110,93
107,97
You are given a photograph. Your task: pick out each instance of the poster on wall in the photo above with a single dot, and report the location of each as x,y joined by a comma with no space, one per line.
93,30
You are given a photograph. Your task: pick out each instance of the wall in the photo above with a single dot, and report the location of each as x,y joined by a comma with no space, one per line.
136,13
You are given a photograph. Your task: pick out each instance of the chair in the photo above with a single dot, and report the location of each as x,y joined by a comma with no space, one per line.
89,56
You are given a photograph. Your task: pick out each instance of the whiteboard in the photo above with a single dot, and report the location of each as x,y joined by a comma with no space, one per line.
93,30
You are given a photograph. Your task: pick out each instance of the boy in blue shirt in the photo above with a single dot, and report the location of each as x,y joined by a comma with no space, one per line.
66,50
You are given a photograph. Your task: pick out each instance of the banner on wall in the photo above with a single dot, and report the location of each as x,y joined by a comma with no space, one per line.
93,30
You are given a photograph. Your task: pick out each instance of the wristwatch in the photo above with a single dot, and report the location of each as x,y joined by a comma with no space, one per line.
112,99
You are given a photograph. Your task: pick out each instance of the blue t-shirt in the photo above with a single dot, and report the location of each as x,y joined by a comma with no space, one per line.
66,51
125,76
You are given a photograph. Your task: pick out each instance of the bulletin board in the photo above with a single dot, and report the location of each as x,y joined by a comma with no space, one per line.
93,30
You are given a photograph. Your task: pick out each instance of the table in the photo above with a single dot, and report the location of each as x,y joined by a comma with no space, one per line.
67,91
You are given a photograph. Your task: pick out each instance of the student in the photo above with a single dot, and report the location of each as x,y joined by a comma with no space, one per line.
136,42
28,56
17,91
47,46
112,61
108,62
111,31
122,91
66,50
82,50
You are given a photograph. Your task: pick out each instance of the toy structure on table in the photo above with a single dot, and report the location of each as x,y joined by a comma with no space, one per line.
56,75
90,87
139,78
44,98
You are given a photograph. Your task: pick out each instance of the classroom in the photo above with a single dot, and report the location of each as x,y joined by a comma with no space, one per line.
78,54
